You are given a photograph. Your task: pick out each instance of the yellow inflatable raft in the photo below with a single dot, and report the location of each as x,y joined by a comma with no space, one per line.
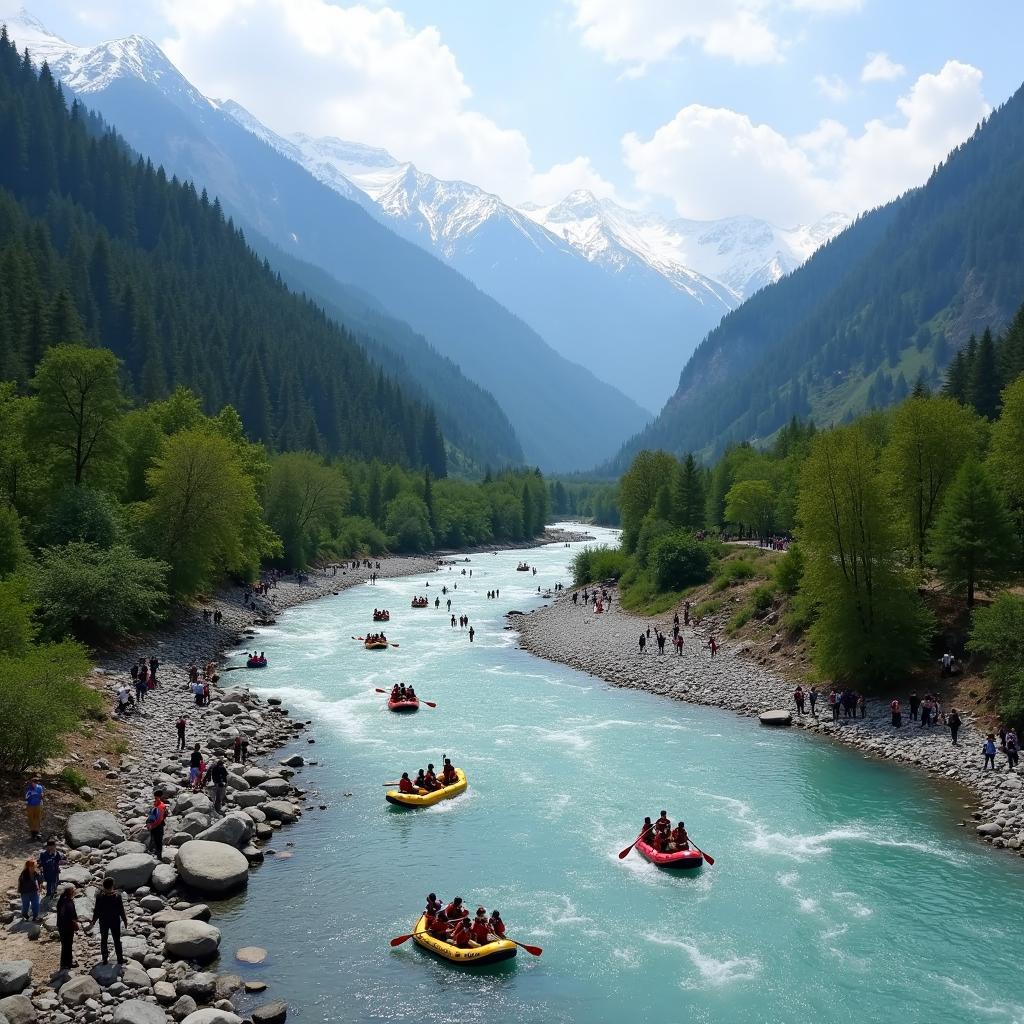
491,953
424,798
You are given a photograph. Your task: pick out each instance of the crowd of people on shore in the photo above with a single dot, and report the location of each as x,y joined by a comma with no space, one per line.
429,781
452,923
662,837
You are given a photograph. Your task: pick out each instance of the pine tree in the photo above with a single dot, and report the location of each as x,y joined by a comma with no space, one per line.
688,499
956,378
983,384
973,544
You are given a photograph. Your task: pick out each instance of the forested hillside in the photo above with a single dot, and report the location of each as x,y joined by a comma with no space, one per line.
886,303
98,247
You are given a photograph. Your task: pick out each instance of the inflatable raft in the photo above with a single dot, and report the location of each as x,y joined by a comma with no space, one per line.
256,663
424,798
404,705
375,645
386,617
491,953
419,604
680,859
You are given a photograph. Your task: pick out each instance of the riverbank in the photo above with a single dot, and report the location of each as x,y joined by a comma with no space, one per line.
606,645
106,835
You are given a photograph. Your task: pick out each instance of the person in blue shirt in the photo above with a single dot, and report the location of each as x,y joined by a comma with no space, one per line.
50,861
34,807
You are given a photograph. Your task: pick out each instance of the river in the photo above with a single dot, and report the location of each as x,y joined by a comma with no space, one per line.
842,889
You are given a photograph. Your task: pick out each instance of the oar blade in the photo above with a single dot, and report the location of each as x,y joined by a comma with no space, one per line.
532,950
430,704
398,940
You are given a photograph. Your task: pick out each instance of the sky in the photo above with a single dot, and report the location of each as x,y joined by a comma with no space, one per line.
780,109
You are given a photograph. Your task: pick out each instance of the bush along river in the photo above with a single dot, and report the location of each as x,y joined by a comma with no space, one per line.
841,890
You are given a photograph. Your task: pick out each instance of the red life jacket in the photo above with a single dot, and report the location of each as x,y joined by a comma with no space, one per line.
461,935
431,783
497,926
405,786
480,929
449,777
454,913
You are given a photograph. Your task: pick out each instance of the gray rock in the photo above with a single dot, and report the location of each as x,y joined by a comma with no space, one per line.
780,717
76,991
280,810
227,985
14,976
77,874
270,1013
106,974
989,829
212,1016
236,782
276,787
165,993
183,1007
164,878
232,829
197,912
254,776
151,903
192,802
201,986
134,947
129,846
91,828
212,867
138,1011
17,1009
191,940
135,977
131,870
251,954
250,797
295,761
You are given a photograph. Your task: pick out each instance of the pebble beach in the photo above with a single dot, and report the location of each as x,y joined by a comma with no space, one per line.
605,645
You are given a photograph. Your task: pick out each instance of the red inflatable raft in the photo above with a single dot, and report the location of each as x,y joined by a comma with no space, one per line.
680,859
404,705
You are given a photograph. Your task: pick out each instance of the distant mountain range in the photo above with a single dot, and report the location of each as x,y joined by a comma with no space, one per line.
882,305
133,84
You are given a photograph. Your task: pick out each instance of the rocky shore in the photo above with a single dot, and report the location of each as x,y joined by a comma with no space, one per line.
171,940
605,645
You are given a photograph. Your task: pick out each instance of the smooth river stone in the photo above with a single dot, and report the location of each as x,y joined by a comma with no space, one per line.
775,718
251,955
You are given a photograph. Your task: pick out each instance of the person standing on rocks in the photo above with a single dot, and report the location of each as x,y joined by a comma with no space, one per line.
812,695
179,726
49,861
28,889
798,699
245,748
989,750
954,723
109,912
1011,747
643,642
237,748
219,777
661,642
34,807
195,764
897,714
713,645
154,664
915,703
155,823
67,925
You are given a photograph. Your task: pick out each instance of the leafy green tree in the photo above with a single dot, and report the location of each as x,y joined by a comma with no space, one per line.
997,632
789,570
94,592
1004,459
638,491
304,498
929,438
408,522
80,404
204,518
973,545
21,476
13,552
751,503
688,498
870,622
16,614
679,560
81,513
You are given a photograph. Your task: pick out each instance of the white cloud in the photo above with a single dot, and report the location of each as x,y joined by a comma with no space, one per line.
713,162
638,33
832,86
880,67
360,72
561,179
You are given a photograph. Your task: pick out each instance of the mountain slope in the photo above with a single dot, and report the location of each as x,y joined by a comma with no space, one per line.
99,247
614,315
163,116
892,297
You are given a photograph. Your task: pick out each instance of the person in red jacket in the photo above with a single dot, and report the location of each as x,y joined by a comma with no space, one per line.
480,929
405,784
678,837
496,924
448,776
461,935
663,825
455,911
430,779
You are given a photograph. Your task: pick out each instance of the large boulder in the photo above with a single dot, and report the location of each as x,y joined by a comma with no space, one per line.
75,991
227,985
191,940
14,976
236,782
210,1015
249,798
77,874
165,992
138,1011
90,828
233,829
779,717
193,802
276,787
17,1010
198,912
255,775
164,878
131,870
201,986
211,867
295,761
280,810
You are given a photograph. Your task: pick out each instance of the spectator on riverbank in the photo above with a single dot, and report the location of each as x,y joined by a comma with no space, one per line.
34,807
897,714
179,727
29,882
67,925
989,750
643,642
219,778
1011,747
915,702
798,699
155,823
109,912
954,724
812,696
49,862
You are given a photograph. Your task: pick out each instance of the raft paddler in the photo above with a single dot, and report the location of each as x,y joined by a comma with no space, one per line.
663,825
434,905
480,929
461,935
421,781
394,692
496,924
678,839
430,781
405,784
647,832
410,693
448,774
455,911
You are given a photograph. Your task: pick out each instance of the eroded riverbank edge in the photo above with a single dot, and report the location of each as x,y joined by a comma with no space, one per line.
605,646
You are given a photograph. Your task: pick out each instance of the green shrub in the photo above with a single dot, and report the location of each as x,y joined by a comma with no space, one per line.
708,607
733,571
651,531
13,552
73,779
592,565
357,535
740,618
800,616
789,570
679,560
997,632
91,592
81,513
763,598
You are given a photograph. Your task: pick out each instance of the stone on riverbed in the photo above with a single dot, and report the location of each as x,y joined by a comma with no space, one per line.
17,1010
276,787
280,810
775,718
211,867
270,1013
164,878
232,829
209,1015
90,828
138,1011
14,976
989,829
251,954
131,870
295,761
76,991
191,940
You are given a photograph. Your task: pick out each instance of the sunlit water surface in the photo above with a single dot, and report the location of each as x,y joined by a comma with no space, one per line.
842,890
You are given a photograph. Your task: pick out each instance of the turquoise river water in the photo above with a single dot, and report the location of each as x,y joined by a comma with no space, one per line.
842,889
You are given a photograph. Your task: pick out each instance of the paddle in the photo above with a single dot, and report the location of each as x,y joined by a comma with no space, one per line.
532,950
429,703
709,859
625,852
